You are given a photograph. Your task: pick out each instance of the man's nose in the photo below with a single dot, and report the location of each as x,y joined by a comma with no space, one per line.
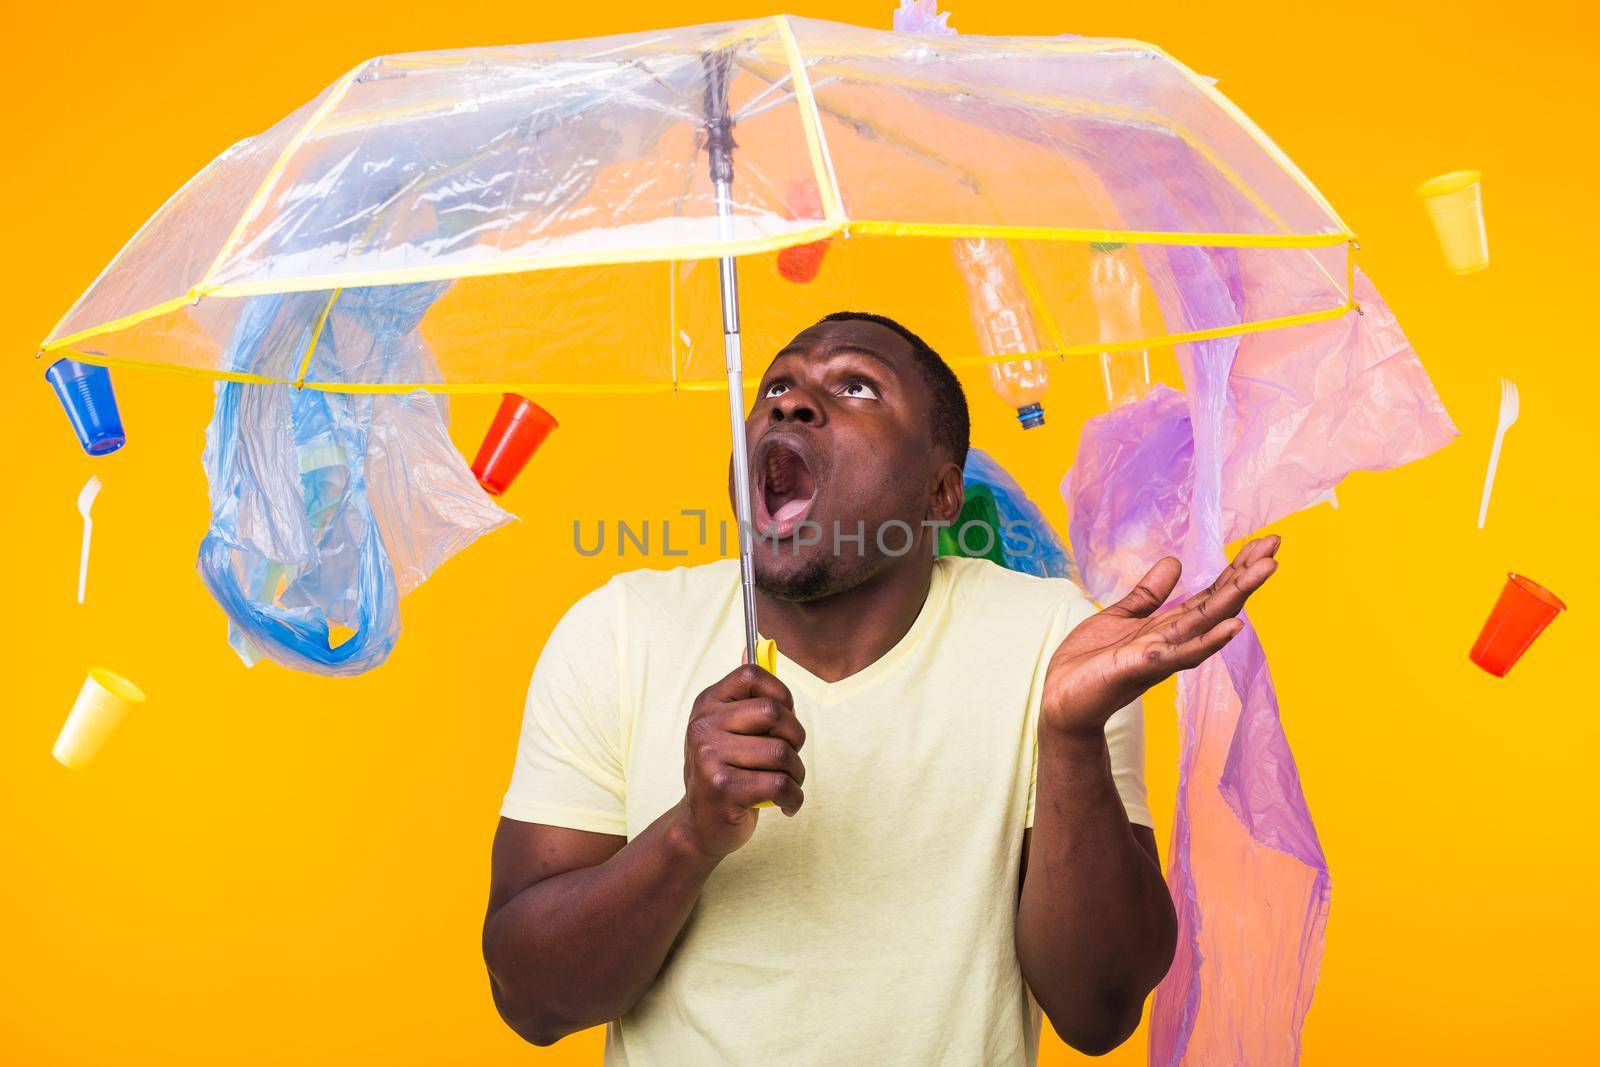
796,406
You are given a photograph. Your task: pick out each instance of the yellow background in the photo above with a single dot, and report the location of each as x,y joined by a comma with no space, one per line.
269,867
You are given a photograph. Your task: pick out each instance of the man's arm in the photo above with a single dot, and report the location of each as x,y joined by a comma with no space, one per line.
1096,929
580,923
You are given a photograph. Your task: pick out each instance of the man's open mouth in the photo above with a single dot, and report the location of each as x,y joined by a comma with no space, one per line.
784,490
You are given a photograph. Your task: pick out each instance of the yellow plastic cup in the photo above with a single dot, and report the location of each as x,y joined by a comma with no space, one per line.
1455,203
103,702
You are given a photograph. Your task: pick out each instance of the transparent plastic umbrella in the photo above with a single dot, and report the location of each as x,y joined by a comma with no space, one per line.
566,193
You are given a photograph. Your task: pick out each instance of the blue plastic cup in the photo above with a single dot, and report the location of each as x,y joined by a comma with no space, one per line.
85,391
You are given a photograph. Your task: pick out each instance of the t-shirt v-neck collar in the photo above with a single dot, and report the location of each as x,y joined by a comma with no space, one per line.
885,665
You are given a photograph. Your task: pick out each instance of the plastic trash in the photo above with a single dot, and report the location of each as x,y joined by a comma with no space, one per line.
91,404
976,531
519,428
994,289
1023,539
1117,286
1270,423
1000,315
1510,408
86,495
1455,203
922,16
802,263
1022,385
102,704
1524,609
327,508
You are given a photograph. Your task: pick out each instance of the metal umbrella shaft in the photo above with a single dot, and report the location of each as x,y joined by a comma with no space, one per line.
729,284
719,146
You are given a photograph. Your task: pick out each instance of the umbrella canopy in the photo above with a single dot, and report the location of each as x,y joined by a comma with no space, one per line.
563,191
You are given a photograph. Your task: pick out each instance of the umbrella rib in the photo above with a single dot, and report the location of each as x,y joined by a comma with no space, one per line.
751,112
316,335
762,95
816,143
863,129
670,108
258,201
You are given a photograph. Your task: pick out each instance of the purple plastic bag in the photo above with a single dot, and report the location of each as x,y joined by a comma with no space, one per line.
1270,423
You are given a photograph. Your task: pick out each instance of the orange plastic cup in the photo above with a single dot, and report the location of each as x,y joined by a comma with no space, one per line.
519,428
801,263
1523,611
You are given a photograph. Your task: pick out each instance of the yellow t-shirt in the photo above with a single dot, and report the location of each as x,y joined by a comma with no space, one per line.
876,925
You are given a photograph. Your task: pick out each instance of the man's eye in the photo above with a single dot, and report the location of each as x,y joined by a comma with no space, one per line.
776,389
859,388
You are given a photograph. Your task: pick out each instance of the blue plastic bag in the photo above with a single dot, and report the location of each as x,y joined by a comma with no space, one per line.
1027,540
326,508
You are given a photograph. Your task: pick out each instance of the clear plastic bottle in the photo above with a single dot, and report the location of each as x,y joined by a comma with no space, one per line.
1000,314
1022,385
1117,286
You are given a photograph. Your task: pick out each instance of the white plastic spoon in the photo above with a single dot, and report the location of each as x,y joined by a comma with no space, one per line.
1510,407
86,495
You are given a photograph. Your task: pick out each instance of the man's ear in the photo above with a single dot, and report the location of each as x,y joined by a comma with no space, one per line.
949,493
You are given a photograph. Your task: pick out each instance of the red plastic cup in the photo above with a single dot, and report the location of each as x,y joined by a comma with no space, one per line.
519,428
801,263
1523,611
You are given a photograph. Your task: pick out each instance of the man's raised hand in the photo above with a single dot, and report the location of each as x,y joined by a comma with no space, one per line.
1117,654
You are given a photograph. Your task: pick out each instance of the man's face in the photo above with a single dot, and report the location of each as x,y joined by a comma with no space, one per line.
840,441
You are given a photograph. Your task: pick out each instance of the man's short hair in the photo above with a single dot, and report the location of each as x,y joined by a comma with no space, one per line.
952,426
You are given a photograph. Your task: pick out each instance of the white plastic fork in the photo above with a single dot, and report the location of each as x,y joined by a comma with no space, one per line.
86,495
1510,407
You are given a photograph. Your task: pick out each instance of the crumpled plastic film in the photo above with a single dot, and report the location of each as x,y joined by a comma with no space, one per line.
1271,421
327,508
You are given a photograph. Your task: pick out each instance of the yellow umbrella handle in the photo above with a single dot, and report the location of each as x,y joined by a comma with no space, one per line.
767,660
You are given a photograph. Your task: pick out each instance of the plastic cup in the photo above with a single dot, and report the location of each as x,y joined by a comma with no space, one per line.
519,428
1523,611
85,392
801,263
103,702
1455,202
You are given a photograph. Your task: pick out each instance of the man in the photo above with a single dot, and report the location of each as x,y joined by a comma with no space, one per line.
939,732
